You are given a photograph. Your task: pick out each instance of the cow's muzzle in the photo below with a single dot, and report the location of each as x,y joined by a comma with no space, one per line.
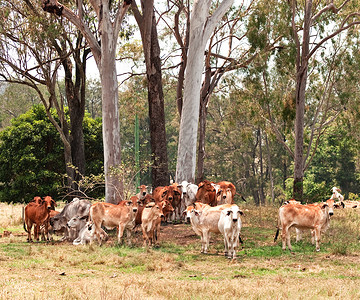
235,220
187,220
331,213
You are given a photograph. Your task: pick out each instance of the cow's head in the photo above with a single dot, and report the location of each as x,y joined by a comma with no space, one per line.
50,202
58,222
330,203
143,190
76,220
187,213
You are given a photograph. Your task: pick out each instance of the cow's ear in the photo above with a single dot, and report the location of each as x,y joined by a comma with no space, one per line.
53,201
342,204
197,213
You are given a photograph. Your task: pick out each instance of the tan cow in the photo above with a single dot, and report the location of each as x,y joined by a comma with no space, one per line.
225,193
331,203
150,222
121,216
351,204
311,216
143,191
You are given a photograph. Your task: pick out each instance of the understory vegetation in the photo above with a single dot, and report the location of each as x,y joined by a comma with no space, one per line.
177,269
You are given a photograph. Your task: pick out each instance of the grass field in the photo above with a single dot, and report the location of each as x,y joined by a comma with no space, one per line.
177,270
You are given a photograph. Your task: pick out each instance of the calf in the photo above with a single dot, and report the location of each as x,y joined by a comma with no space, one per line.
331,205
75,224
150,222
37,213
76,207
336,194
314,217
230,226
86,234
204,222
188,191
121,216
143,192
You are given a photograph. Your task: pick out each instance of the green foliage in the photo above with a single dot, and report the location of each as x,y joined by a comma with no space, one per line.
32,157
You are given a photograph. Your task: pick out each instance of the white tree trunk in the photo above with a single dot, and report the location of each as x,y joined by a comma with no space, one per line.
201,26
110,112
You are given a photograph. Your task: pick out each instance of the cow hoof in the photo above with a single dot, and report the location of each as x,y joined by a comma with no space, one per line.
317,250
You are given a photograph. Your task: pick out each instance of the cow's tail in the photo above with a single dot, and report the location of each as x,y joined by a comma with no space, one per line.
278,230
23,218
276,234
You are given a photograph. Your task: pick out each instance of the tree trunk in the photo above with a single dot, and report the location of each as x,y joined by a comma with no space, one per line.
201,26
270,170
159,171
301,78
201,147
261,180
147,25
110,116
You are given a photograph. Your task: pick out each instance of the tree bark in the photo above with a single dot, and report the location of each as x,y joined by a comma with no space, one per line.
147,25
201,26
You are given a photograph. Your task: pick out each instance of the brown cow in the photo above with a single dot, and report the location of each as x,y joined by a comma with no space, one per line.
121,216
171,193
206,193
37,213
150,222
225,193
312,216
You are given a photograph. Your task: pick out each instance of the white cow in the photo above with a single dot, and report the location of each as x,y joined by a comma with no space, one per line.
86,234
230,226
188,194
204,222
336,194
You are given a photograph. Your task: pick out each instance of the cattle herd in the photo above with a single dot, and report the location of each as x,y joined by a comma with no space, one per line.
209,207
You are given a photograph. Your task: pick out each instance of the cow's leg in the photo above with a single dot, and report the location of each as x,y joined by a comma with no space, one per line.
206,241
288,239
298,235
29,227
145,236
128,236
313,236
283,237
121,232
202,242
36,231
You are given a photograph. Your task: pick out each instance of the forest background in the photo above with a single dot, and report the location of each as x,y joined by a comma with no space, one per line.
249,109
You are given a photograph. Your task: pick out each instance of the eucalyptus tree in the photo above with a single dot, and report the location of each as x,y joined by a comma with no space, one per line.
100,22
146,20
202,25
313,24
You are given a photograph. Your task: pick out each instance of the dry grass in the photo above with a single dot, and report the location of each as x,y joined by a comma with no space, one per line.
177,270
